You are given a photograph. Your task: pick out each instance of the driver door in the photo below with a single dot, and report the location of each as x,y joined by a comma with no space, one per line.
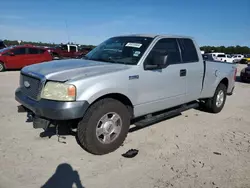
166,87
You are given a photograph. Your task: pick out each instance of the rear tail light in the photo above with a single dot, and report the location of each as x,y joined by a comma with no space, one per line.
235,73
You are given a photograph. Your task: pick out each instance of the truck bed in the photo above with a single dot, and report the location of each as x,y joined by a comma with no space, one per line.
212,70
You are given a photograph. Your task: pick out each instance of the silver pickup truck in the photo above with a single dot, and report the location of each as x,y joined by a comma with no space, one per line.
125,78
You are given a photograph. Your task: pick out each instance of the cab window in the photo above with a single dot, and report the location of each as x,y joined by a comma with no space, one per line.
33,51
221,55
72,48
19,51
188,50
163,47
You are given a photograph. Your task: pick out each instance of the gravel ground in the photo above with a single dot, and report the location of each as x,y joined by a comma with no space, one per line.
195,149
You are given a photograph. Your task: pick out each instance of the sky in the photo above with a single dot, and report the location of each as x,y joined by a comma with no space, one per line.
213,22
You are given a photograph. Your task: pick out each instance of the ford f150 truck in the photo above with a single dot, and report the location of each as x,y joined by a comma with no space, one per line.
125,78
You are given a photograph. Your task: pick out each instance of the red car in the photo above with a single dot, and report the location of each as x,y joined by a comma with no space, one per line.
17,57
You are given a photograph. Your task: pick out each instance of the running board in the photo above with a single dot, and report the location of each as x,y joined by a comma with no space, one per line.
151,118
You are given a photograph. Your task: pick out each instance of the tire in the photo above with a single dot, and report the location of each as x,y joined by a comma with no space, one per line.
2,67
55,56
87,127
214,106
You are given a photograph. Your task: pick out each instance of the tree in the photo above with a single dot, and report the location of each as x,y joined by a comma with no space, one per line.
229,50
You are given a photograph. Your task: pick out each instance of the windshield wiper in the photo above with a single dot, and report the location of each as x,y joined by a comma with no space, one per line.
104,60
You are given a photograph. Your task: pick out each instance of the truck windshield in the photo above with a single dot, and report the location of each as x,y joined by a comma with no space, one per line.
123,50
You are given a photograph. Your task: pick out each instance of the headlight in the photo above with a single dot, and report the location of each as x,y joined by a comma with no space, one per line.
59,91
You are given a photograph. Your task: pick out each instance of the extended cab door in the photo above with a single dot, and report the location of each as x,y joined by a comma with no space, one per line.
162,88
194,66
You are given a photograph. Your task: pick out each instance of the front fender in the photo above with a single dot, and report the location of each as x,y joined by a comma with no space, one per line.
98,90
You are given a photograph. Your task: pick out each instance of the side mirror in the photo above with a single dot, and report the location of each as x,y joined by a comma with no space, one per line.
11,54
157,62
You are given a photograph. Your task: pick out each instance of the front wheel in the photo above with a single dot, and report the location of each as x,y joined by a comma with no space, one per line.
2,67
104,127
217,102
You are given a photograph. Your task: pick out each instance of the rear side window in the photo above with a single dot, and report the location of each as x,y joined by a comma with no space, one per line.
72,48
41,51
64,47
167,46
188,51
19,51
33,51
221,55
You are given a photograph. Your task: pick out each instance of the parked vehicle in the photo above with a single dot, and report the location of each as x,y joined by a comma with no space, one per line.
245,74
17,57
237,57
247,57
245,60
84,51
134,77
2,45
68,51
209,57
225,58
215,54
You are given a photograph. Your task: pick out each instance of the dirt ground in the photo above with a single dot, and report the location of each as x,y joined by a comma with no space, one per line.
195,149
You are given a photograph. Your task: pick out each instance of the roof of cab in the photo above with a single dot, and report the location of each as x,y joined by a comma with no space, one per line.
155,35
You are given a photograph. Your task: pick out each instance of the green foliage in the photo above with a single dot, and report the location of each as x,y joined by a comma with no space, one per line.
228,50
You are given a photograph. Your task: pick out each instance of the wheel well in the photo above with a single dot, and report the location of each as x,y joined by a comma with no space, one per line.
122,98
2,63
55,53
224,81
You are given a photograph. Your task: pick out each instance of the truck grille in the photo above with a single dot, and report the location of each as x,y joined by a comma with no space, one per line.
30,86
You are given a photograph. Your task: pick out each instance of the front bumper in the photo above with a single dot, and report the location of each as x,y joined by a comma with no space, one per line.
53,110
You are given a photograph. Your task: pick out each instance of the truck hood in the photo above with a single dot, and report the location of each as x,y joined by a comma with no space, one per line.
63,70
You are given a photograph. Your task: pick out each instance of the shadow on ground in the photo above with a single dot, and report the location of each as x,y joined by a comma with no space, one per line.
59,128
139,127
12,70
64,177
65,128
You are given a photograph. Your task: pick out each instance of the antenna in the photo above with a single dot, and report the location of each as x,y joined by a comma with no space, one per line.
67,31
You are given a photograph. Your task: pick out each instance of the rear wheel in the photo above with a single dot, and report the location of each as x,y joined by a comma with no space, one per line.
104,127
217,102
55,56
2,67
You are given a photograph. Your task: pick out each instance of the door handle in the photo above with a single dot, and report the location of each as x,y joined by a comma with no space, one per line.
183,72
